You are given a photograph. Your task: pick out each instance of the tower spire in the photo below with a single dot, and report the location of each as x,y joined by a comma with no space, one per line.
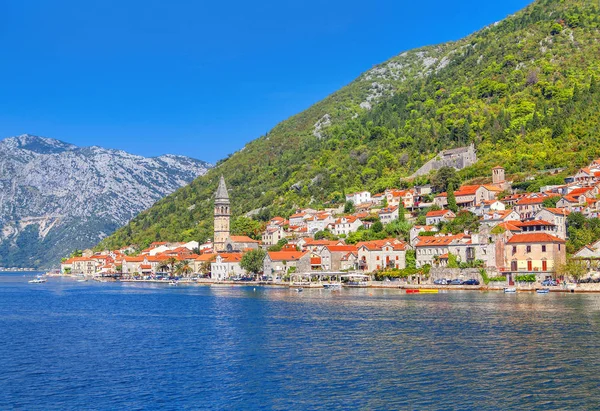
222,193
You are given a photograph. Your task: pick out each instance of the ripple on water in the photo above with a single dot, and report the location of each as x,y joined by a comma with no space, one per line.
131,346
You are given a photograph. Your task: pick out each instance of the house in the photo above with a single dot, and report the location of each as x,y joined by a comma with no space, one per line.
488,206
66,266
528,206
417,230
202,263
273,234
313,245
381,254
377,199
346,225
331,256
226,266
319,222
299,219
437,216
429,249
359,198
388,214
280,262
494,218
349,261
83,265
395,197
534,252
556,216
238,243
466,196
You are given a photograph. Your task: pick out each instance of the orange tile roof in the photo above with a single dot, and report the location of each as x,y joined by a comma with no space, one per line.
315,261
341,248
438,241
559,211
286,255
438,213
242,239
378,244
231,257
579,191
388,210
534,238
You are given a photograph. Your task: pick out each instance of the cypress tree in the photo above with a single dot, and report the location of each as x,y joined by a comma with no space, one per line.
451,199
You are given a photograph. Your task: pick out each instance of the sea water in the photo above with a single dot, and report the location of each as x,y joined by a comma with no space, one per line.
74,345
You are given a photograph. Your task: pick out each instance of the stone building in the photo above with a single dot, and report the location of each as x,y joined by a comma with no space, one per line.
458,158
222,216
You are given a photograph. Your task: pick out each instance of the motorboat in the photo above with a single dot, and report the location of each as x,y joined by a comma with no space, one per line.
38,280
333,286
173,283
299,290
542,291
510,290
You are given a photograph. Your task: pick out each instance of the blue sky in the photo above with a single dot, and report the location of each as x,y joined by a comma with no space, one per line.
200,78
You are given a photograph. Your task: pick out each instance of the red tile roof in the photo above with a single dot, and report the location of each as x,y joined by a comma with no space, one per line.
438,213
534,238
286,255
242,239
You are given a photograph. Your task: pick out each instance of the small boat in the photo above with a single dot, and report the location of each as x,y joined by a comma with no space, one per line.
510,290
82,280
299,290
173,283
332,286
38,280
413,291
429,291
542,290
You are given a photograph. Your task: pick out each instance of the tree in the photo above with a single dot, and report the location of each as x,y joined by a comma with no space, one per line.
452,261
550,202
246,226
443,177
348,207
183,268
451,199
253,261
377,227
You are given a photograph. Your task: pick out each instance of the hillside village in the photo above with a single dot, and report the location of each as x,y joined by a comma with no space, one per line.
517,235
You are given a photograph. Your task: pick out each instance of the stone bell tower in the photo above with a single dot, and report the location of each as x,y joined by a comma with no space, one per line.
222,216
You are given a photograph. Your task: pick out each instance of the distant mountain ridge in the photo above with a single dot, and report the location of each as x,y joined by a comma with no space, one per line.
55,196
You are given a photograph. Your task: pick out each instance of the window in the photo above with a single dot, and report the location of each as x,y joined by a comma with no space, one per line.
528,248
377,258
514,250
543,249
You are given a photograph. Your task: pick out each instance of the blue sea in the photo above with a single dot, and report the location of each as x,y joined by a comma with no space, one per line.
72,346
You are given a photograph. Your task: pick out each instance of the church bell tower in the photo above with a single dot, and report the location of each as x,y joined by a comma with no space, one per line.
222,215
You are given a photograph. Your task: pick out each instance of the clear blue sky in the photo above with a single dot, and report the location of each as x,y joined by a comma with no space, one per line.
200,78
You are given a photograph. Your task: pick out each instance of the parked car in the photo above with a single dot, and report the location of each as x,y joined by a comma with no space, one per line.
441,281
455,282
472,281
549,282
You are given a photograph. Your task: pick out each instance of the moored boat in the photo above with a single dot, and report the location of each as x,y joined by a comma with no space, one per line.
542,291
333,286
38,280
510,290
429,291
412,291
173,283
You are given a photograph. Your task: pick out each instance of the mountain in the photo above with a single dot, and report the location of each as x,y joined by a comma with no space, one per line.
56,197
523,90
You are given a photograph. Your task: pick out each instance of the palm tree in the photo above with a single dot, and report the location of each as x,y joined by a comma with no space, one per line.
163,265
183,268
171,261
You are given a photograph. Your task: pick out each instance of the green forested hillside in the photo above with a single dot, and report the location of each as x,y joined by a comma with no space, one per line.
525,91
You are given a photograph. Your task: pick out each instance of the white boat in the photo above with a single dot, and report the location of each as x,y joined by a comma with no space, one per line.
299,290
510,290
542,290
173,283
38,280
82,280
333,286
